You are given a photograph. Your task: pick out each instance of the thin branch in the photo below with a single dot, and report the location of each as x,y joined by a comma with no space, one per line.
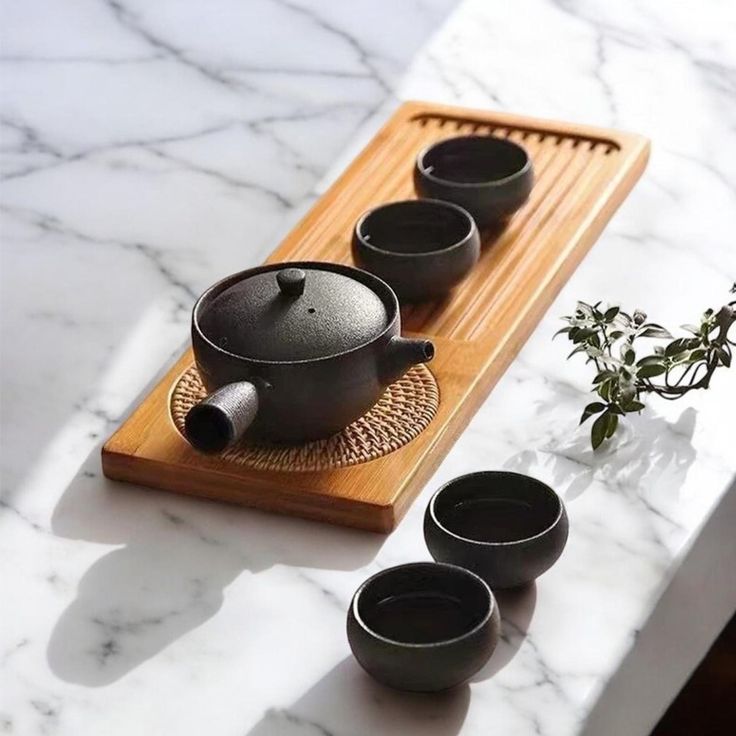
615,391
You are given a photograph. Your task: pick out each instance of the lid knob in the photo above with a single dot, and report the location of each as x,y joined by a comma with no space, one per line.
291,281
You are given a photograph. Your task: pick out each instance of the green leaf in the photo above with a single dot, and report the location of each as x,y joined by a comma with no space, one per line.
616,335
634,406
696,355
578,349
610,314
612,424
629,356
606,388
651,360
724,357
676,347
598,430
585,309
602,376
628,393
649,371
594,408
654,331
582,334
563,331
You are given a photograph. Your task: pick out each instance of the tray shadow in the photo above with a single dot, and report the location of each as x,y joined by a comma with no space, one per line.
176,556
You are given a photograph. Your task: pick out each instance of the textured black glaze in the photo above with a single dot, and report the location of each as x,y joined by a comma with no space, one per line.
293,314
291,281
222,417
421,248
300,399
423,626
506,527
402,353
490,177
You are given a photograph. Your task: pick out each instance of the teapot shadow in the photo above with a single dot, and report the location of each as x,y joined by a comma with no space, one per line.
176,557
347,695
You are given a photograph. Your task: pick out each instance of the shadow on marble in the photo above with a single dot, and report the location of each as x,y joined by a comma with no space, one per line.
177,556
347,700
517,608
648,453
244,164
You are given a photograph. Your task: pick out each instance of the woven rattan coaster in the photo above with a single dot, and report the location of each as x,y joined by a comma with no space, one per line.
404,410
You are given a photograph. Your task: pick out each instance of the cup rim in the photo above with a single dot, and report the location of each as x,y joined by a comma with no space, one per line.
495,474
491,183
454,569
471,234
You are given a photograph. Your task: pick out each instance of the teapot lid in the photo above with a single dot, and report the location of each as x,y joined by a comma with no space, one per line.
292,313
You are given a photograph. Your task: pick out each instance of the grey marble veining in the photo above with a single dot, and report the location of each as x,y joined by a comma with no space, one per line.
148,149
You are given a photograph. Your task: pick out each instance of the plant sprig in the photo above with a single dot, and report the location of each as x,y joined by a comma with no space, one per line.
607,338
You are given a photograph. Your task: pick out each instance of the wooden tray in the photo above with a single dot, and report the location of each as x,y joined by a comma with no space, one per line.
582,176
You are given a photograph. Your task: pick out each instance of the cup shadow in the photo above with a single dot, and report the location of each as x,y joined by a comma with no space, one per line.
488,236
347,695
175,558
491,233
516,606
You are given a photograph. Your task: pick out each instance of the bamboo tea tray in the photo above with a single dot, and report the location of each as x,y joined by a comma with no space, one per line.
368,477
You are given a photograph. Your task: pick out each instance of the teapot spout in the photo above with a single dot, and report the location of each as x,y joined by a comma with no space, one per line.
401,354
221,419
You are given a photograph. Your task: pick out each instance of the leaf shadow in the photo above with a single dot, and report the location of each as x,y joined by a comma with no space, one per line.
649,452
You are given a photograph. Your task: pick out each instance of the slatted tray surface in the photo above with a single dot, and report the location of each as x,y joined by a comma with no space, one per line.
582,175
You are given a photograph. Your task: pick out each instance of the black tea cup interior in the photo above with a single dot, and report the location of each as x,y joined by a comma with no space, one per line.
421,248
490,177
424,626
506,527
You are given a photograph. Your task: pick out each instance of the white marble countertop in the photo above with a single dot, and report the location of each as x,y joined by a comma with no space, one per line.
149,148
